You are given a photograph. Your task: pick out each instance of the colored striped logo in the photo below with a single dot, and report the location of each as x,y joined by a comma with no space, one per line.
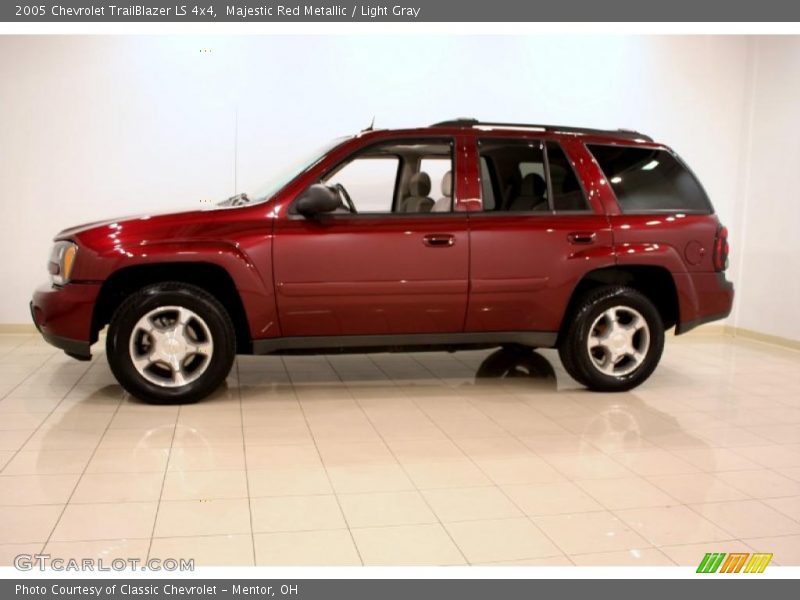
735,562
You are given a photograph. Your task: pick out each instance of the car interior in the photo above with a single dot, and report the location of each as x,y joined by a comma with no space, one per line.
397,177
416,177
514,178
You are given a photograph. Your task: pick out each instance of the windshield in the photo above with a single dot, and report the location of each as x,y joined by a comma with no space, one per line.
283,176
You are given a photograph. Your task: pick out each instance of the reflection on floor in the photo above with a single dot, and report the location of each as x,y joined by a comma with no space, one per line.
471,458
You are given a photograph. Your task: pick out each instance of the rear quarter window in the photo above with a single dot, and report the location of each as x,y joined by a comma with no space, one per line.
644,179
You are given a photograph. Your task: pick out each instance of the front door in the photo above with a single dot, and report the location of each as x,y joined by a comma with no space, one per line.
393,259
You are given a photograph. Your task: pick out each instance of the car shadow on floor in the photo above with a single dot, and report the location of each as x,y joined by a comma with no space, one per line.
526,367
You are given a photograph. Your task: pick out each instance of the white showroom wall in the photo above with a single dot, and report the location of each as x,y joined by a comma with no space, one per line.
768,294
93,127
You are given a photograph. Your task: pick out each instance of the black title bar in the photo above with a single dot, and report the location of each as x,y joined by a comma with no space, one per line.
732,588
208,11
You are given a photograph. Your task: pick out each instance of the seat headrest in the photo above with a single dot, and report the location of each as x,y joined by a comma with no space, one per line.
533,184
420,184
447,184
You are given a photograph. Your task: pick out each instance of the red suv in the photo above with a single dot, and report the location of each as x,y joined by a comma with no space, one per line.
464,234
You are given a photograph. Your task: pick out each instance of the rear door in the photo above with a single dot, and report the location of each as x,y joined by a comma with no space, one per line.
379,271
537,234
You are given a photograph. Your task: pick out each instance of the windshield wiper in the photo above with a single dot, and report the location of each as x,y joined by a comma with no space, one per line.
237,200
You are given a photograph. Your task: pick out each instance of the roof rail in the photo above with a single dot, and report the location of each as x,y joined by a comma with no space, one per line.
475,123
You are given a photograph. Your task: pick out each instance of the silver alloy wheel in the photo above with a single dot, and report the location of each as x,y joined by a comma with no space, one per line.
618,341
171,346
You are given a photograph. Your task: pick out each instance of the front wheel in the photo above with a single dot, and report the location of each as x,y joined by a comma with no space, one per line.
170,342
614,340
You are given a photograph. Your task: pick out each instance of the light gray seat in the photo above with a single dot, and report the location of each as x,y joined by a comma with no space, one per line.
418,202
445,203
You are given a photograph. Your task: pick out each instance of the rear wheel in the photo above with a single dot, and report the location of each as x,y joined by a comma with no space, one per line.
614,340
171,342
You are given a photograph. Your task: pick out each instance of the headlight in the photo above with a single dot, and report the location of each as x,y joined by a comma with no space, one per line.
62,259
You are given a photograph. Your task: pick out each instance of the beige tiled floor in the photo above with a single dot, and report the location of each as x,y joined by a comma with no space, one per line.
405,459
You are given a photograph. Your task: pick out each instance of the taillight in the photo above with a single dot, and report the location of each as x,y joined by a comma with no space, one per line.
721,249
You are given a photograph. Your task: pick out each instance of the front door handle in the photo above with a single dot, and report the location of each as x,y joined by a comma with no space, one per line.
581,237
439,240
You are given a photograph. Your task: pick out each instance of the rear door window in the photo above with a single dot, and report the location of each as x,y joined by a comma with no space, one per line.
513,175
567,191
520,175
646,179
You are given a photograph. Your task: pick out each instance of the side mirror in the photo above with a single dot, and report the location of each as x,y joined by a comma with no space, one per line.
316,200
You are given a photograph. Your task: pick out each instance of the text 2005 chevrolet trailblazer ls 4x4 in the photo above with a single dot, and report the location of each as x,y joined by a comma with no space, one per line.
459,235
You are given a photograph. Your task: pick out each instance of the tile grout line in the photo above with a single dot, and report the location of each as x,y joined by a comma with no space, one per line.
324,466
164,481
246,470
470,400
400,464
502,491
85,466
634,474
498,486
715,475
49,414
436,425
477,466
731,538
769,469
282,531
9,352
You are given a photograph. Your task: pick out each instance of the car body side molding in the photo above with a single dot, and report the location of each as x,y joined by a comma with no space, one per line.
402,342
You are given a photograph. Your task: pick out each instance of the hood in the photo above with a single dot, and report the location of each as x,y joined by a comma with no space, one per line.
84,227
208,223
76,230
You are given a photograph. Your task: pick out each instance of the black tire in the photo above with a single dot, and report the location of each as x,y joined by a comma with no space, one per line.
567,359
204,305
573,347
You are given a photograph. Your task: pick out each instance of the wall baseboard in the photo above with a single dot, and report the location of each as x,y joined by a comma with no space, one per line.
712,329
757,336
17,328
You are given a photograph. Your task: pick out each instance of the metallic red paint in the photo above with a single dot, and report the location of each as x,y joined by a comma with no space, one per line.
523,269
65,312
361,275
376,274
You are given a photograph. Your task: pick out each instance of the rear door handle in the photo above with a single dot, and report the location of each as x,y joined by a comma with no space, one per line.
439,239
581,237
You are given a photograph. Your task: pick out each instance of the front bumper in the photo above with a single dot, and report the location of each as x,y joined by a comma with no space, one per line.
63,315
